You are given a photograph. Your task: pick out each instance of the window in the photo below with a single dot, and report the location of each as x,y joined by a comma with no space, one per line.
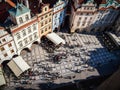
2,48
12,51
55,16
24,33
25,41
87,13
45,22
50,14
50,20
89,22
46,16
4,40
81,13
41,18
85,18
91,8
5,55
41,24
26,17
0,42
35,35
79,18
83,24
34,26
90,18
9,44
55,23
45,29
84,8
45,9
29,29
20,44
42,31
49,27
30,37
18,36
20,20
78,23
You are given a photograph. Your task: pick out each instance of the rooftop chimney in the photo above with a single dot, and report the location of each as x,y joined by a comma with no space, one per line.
11,3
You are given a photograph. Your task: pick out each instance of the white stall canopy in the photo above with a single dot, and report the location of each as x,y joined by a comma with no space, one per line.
2,78
18,65
55,38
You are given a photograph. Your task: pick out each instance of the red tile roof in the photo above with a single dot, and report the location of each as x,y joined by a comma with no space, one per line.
1,28
11,3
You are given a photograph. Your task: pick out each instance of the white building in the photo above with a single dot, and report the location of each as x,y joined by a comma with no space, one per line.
59,11
7,46
92,15
25,30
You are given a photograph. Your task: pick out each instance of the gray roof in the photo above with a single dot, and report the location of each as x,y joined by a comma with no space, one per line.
19,10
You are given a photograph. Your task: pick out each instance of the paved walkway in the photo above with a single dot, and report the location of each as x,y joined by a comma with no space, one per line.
84,53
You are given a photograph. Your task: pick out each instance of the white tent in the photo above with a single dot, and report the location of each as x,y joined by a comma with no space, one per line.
2,78
18,65
55,38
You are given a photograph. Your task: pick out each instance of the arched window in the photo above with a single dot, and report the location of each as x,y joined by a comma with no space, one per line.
26,17
20,20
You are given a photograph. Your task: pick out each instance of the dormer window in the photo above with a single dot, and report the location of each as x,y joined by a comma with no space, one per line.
20,20
26,17
45,9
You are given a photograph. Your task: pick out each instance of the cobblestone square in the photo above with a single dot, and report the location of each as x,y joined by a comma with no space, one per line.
84,54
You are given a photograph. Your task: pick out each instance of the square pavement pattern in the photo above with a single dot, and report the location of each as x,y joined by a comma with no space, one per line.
83,52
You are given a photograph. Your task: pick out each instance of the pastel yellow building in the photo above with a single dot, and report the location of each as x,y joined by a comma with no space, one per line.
45,20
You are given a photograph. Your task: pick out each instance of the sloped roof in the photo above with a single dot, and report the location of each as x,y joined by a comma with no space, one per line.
19,10
103,4
51,2
18,65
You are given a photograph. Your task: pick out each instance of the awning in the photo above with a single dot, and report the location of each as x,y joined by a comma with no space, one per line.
55,38
18,65
2,78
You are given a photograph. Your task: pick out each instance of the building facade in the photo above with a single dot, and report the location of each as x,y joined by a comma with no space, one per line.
92,15
45,20
116,26
59,10
7,46
25,30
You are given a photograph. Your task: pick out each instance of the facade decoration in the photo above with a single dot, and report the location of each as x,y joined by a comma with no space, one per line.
93,15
